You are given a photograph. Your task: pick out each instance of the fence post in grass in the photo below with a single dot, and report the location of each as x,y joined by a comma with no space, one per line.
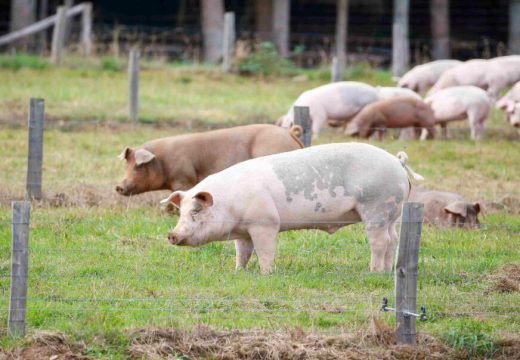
58,35
35,156
228,42
335,72
133,81
86,29
19,267
303,119
406,270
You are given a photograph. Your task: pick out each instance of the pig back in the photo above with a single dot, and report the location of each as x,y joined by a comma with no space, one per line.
324,181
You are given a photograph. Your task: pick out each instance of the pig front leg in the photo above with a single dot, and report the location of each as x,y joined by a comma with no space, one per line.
244,248
264,240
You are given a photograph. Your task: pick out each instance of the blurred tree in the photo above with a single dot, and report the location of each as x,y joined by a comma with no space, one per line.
341,34
514,27
264,19
281,23
400,40
440,22
212,14
23,13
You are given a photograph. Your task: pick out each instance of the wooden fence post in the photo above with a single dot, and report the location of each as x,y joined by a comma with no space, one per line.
58,35
19,267
86,29
303,118
228,42
406,272
133,81
35,156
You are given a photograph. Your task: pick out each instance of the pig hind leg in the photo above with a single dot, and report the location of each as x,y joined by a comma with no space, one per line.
389,255
244,248
380,220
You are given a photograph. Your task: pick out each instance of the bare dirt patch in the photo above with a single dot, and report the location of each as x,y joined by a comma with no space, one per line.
47,346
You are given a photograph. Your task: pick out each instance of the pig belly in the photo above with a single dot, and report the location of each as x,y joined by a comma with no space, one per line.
340,112
325,212
448,112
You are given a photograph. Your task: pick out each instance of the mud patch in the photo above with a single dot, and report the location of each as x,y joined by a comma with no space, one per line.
47,346
203,342
507,279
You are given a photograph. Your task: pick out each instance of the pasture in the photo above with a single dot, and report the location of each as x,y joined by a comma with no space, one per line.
101,267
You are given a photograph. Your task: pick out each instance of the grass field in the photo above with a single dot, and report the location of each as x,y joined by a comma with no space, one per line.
100,264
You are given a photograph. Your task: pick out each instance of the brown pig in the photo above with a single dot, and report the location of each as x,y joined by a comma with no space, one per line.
398,112
446,209
180,162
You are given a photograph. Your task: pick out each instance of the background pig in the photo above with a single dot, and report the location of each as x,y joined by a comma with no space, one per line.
446,209
514,119
387,92
322,187
507,102
397,112
421,77
337,102
492,75
180,162
458,103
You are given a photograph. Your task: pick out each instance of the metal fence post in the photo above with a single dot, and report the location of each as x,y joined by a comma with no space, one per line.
58,35
133,81
228,42
302,117
19,267
35,156
406,272
86,29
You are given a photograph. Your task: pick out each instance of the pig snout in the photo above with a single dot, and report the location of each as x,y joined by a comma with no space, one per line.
124,189
176,239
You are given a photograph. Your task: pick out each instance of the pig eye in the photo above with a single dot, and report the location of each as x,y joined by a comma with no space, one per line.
194,212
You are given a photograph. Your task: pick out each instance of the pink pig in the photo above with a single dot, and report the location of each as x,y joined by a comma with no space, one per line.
338,102
321,187
458,103
421,77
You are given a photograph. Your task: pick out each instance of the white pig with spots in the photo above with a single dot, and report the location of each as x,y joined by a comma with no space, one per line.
322,187
337,102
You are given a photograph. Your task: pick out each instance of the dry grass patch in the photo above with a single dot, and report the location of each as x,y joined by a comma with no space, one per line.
47,345
507,279
378,342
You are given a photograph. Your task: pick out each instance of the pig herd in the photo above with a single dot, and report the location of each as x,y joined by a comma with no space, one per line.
453,90
248,183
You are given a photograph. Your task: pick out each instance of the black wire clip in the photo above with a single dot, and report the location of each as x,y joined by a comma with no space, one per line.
422,316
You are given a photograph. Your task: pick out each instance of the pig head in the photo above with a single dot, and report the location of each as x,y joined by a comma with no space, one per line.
194,213
143,172
446,209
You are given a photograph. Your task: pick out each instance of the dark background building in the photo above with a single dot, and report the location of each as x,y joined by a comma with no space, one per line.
476,27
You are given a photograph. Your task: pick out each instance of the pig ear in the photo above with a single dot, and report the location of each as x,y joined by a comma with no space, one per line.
175,198
143,156
457,208
478,208
126,152
205,198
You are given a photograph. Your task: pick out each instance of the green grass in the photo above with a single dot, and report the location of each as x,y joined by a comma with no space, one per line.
114,249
